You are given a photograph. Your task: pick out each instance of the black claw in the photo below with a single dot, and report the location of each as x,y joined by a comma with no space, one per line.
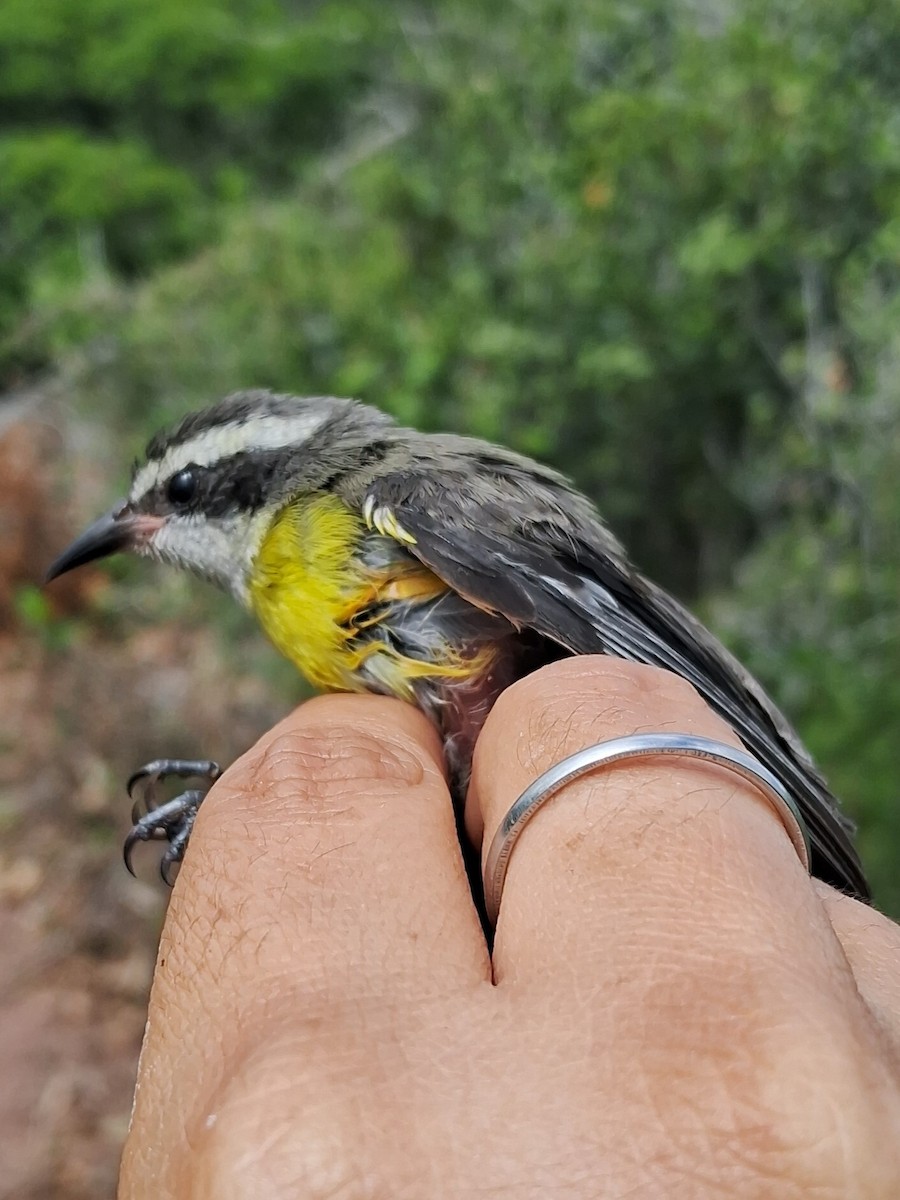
181,768
129,786
172,820
167,862
127,851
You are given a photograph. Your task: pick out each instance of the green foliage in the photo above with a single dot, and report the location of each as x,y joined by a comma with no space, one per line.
35,613
588,232
815,610
126,129
654,243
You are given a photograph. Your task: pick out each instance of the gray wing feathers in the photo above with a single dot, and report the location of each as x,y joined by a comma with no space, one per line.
525,545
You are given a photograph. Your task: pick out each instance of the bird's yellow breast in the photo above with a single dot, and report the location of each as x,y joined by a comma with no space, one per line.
303,587
325,610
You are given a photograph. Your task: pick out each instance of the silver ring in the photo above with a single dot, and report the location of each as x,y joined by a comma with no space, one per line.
638,745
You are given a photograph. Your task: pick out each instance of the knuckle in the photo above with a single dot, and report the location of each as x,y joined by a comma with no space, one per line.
316,795
358,755
789,1101
315,764
572,703
301,1114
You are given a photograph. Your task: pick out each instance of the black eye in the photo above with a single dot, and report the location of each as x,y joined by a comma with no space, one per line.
182,487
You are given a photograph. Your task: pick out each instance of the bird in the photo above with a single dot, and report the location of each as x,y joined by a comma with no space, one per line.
433,567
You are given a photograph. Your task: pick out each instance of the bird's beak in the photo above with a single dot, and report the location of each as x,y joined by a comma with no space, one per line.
119,529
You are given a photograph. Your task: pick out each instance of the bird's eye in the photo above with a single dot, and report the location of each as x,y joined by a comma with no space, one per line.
181,488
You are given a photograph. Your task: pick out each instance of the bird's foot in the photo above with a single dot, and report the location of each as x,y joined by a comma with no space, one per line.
173,819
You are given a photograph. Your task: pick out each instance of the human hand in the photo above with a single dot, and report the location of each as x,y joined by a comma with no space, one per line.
674,1009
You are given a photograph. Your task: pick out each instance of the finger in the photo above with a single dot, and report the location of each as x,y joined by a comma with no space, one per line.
663,902
685,841
871,942
324,871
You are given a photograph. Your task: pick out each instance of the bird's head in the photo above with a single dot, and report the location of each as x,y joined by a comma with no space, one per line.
206,491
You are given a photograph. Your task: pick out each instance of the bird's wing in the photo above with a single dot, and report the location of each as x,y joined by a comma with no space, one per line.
526,546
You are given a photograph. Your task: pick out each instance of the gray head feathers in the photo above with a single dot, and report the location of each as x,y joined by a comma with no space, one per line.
243,446
235,411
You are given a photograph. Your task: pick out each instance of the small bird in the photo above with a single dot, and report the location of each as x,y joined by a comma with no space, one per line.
432,567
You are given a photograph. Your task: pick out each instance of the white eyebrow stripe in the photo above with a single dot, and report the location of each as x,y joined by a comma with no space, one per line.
222,441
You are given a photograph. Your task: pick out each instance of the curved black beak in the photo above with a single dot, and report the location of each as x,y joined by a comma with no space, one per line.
116,530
